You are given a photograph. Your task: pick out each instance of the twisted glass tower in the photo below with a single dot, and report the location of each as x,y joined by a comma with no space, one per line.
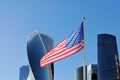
107,57
37,45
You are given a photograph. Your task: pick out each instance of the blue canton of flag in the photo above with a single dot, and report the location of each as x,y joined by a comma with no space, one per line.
76,37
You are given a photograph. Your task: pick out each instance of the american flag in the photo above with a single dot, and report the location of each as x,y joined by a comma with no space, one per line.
66,48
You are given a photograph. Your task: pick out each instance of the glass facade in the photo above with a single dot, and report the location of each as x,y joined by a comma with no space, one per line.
37,45
30,76
92,72
79,73
24,72
107,52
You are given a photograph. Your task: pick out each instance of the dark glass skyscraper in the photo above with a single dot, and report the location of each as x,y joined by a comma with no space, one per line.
37,45
79,73
92,72
24,72
107,54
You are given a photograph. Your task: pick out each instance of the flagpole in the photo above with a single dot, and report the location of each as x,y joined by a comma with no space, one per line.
84,55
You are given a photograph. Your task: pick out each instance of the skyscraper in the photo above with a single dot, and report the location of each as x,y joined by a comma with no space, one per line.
107,54
24,72
37,45
30,75
79,73
92,72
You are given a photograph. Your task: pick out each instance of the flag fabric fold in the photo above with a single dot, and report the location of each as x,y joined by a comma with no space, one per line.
66,48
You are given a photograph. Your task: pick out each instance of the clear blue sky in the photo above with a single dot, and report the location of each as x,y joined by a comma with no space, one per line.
57,18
